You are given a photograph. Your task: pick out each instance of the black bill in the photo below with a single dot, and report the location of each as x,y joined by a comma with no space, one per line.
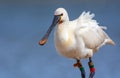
45,37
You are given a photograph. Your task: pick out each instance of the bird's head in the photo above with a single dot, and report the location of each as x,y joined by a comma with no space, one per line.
60,16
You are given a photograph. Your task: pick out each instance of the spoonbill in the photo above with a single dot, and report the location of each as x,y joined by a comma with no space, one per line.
77,39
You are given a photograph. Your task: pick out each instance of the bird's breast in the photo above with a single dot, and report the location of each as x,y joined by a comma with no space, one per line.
64,39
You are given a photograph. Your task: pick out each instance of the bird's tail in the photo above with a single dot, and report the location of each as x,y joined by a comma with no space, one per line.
110,41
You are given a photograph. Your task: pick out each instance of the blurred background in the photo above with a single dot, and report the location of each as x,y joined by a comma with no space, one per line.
24,22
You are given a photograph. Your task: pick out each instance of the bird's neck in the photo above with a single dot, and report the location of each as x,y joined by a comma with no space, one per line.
62,31
64,35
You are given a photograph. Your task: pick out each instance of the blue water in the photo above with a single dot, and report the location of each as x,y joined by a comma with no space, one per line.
23,23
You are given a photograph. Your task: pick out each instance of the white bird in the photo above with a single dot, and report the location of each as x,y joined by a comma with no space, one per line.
79,38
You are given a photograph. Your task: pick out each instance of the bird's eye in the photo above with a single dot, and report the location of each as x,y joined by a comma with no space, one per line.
61,14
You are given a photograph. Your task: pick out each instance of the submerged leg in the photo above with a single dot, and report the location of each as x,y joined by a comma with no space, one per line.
79,65
92,69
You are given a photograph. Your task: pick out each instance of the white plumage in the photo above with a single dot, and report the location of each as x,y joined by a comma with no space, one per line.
79,38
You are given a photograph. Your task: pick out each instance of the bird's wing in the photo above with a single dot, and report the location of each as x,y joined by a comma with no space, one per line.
91,36
89,30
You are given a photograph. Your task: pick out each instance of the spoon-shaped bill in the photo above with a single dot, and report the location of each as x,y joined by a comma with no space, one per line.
45,37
